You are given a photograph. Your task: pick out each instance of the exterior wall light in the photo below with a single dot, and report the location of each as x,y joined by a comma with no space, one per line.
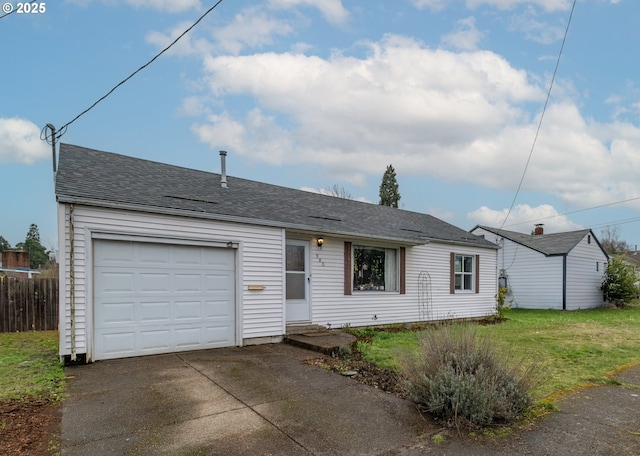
320,241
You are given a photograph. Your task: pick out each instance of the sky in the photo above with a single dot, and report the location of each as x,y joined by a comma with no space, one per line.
312,94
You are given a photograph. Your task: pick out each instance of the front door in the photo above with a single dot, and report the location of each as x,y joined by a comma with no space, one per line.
297,278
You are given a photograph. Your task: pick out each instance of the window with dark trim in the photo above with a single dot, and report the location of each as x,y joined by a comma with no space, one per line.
369,268
464,274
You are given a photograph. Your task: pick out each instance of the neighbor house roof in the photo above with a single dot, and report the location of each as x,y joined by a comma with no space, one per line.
547,244
96,178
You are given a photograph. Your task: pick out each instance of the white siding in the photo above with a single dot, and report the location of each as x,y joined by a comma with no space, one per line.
534,280
584,278
260,263
331,306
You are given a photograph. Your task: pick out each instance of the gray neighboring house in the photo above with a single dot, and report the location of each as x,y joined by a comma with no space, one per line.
157,258
561,271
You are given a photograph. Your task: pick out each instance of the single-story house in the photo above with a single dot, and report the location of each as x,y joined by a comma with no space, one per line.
549,271
157,258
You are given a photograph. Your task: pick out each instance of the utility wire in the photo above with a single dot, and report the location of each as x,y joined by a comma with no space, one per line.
575,212
13,10
64,127
544,109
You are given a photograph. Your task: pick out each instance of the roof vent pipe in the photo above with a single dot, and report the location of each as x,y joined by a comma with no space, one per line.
223,169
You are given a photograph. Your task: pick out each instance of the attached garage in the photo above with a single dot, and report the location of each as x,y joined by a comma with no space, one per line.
154,298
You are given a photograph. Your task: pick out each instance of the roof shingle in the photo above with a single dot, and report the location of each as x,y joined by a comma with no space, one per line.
106,179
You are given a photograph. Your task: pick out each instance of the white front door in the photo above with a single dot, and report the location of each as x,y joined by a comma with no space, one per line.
297,281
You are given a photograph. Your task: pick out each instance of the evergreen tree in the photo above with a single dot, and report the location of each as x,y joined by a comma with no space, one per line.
389,194
38,255
4,244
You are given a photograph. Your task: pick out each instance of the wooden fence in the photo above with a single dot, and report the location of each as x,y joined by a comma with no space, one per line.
28,304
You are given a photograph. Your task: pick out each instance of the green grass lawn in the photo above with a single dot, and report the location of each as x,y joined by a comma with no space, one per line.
30,367
574,348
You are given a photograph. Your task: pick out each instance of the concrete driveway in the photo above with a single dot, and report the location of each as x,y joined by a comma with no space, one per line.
256,400
263,400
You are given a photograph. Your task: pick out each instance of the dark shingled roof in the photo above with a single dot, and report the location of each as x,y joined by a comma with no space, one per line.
548,244
92,177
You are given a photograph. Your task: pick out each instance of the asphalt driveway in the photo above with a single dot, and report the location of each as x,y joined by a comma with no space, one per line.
263,400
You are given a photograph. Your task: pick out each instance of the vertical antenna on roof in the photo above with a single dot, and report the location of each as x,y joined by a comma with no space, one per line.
223,170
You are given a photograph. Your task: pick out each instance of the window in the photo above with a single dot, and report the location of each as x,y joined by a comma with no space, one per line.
464,273
375,269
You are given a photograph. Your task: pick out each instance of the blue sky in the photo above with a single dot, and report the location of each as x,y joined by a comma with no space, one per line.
314,93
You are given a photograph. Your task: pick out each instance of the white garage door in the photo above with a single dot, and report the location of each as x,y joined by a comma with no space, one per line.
160,298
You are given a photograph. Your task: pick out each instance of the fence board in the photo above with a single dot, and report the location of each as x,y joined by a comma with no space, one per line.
28,304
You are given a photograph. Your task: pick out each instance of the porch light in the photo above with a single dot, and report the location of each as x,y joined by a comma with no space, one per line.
320,241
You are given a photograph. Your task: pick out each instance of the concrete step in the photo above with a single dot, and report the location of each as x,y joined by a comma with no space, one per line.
330,342
304,329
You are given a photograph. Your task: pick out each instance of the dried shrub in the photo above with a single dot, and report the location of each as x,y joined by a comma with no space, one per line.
463,378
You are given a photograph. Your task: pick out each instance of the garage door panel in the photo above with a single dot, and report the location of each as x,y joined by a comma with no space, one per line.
215,310
116,314
116,254
217,283
163,298
111,282
187,283
154,340
119,344
217,335
157,282
187,310
185,256
155,312
153,254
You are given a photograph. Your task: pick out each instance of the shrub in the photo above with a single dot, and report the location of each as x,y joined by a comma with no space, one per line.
461,377
501,306
619,282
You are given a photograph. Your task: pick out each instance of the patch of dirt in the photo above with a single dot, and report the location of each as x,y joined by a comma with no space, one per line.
29,428
365,372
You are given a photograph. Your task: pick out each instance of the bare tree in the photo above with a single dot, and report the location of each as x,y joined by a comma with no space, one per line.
339,192
610,241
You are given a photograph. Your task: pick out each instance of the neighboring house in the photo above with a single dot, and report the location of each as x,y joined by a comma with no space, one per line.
632,258
157,258
15,263
549,271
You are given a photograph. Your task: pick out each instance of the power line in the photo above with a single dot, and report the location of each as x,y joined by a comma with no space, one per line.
575,212
544,110
64,127
13,10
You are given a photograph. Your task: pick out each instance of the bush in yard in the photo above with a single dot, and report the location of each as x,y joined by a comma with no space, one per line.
619,282
463,378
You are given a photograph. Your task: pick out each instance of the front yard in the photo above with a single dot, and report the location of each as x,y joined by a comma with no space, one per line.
575,348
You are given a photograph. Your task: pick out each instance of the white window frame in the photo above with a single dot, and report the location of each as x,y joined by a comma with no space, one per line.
471,274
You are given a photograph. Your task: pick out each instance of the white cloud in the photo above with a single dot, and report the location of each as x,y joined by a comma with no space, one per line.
171,6
251,28
465,37
332,10
459,116
20,142
189,44
547,5
523,218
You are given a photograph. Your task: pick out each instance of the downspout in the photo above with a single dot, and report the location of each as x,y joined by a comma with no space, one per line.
564,282
72,287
